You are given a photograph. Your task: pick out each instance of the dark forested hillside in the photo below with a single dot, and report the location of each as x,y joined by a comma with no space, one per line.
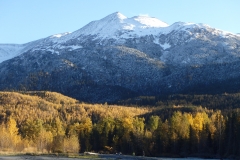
50,122
210,101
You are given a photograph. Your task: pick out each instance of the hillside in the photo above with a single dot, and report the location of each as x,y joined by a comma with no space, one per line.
47,106
48,122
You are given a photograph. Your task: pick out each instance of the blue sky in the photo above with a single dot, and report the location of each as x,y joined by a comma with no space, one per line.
23,21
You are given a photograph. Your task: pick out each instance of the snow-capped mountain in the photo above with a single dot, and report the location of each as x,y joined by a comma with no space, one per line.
118,57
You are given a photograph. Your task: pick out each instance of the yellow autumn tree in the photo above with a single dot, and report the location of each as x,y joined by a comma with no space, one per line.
198,122
71,144
44,141
4,138
12,134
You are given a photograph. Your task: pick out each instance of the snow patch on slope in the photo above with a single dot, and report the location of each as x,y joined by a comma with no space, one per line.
165,46
74,47
59,35
57,48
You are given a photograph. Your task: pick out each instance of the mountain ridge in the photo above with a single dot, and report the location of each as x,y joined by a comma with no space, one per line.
95,68
130,26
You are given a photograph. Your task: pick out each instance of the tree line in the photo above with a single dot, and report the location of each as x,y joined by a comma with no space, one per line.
210,101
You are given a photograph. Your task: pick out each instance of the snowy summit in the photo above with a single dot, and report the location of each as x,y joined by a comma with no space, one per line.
118,28
116,24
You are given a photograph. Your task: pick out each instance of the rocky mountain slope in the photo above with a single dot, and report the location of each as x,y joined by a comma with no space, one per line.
119,57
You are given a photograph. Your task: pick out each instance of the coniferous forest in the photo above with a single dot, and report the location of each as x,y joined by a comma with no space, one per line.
175,126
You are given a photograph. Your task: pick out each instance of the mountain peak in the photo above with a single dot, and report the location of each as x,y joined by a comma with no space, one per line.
116,25
116,15
115,18
140,20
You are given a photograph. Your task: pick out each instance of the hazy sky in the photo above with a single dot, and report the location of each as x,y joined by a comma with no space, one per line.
23,21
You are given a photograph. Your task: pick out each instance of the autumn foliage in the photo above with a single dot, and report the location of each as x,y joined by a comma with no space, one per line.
48,122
